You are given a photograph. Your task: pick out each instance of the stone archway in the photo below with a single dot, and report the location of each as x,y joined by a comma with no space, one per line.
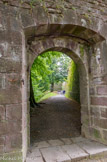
73,50
81,50
84,22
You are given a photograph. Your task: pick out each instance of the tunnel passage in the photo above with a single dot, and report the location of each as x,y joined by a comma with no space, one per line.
58,118
55,117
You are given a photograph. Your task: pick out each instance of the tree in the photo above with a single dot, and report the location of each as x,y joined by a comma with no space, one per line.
39,71
59,68
48,68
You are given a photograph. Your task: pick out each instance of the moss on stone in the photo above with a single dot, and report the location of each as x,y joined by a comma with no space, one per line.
82,50
73,90
96,133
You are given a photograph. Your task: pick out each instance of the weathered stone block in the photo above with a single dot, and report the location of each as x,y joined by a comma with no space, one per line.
11,112
96,133
14,37
83,97
10,97
75,152
2,112
84,119
1,149
103,112
48,43
10,127
99,101
55,154
2,81
95,111
102,90
40,16
69,17
14,52
91,133
2,24
27,19
3,128
35,48
8,65
12,80
3,37
84,109
2,140
103,30
2,50
13,142
105,134
13,127
98,80
55,142
92,91
101,123
42,144
12,22
105,78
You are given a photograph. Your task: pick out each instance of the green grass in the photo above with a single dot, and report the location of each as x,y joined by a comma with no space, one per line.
48,95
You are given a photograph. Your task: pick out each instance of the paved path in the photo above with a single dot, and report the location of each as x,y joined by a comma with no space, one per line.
67,150
58,118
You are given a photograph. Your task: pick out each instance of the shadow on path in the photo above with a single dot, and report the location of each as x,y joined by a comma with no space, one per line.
58,118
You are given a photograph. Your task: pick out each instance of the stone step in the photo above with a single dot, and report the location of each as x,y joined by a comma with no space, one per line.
67,150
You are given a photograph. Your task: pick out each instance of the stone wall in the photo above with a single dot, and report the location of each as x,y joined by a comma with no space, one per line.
73,87
27,31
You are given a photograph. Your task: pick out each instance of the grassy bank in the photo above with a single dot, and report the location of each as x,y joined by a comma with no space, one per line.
48,95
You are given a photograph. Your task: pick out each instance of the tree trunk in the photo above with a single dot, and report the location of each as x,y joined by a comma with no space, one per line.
33,103
52,87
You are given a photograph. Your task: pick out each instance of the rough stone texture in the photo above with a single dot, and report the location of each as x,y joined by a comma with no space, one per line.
55,142
54,154
103,113
36,159
80,150
105,134
2,112
74,151
67,141
13,142
83,23
42,144
102,90
11,112
99,101
34,152
92,148
78,139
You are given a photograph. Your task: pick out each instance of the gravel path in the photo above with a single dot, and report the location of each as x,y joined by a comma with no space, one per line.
59,117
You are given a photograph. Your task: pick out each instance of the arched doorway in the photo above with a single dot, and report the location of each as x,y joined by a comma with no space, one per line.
80,50
74,51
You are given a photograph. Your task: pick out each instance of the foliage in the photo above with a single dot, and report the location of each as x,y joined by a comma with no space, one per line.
48,68
46,96
73,83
